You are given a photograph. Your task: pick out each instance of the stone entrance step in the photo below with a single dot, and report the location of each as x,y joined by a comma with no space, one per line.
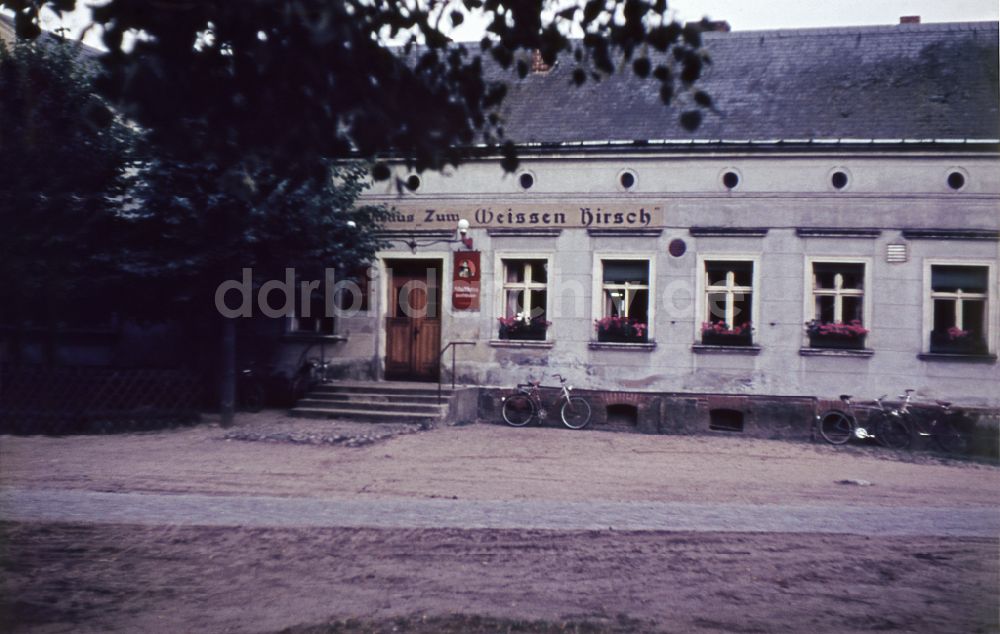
382,402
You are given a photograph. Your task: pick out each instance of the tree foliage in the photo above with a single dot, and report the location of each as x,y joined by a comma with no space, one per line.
62,167
195,224
297,79
244,104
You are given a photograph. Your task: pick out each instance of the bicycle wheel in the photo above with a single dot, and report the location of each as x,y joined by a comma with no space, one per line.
948,435
893,432
575,412
836,427
518,410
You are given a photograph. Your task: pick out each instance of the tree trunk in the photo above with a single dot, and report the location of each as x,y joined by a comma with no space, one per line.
227,406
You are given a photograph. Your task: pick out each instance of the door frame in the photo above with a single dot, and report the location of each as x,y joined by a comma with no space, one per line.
385,258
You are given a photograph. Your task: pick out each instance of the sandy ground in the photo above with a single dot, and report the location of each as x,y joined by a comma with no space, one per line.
63,577
490,462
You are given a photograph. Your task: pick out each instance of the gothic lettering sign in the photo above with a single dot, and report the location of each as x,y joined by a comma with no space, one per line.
635,215
465,285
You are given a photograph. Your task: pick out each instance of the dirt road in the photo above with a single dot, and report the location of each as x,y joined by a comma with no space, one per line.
492,462
158,576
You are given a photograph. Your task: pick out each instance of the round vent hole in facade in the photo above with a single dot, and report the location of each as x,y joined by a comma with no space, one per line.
956,180
413,182
627,179
839,180
730,180
526,180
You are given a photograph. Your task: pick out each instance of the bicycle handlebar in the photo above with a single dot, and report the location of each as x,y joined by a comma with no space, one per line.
561,378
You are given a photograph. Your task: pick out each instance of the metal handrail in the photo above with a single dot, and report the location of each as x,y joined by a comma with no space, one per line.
453,345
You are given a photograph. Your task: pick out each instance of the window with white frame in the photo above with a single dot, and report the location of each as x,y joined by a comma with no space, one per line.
838,299
728,303
524,299
625,295
959,296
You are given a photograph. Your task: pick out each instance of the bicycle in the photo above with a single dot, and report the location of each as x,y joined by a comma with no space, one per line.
900,426
311,373
519,409
837,426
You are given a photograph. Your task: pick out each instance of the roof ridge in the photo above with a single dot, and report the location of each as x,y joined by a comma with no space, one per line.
861,28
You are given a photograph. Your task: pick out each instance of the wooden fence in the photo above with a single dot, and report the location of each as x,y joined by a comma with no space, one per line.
69,400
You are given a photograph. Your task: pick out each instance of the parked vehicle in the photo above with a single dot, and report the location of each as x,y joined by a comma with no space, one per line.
521,408
895,427
311,373
837,426
947,429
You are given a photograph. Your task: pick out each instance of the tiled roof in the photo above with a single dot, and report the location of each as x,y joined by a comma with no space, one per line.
912,81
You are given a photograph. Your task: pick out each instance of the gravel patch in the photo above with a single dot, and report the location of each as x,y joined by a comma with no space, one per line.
277,427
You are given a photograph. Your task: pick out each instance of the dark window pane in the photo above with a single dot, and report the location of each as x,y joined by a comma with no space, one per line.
639,308
717,272
716,309
824,309
974,318
741,314
852,275
853,309
824,279
539,274
538,304
515,271
621,271
948,279
944,314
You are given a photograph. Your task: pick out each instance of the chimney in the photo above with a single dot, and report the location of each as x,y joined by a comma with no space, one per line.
708,26
538,65
909,19
719,26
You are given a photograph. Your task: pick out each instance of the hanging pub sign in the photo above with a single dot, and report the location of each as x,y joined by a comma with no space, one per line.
465,285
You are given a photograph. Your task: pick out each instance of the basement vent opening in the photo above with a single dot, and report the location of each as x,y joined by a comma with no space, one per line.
623,415
725,420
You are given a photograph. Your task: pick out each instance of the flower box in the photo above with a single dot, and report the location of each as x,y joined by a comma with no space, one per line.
955,341
621,330
720,339
520,328
717,334
836,335
838,342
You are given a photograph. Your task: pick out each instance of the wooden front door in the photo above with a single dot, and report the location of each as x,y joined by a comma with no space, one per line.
413,321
